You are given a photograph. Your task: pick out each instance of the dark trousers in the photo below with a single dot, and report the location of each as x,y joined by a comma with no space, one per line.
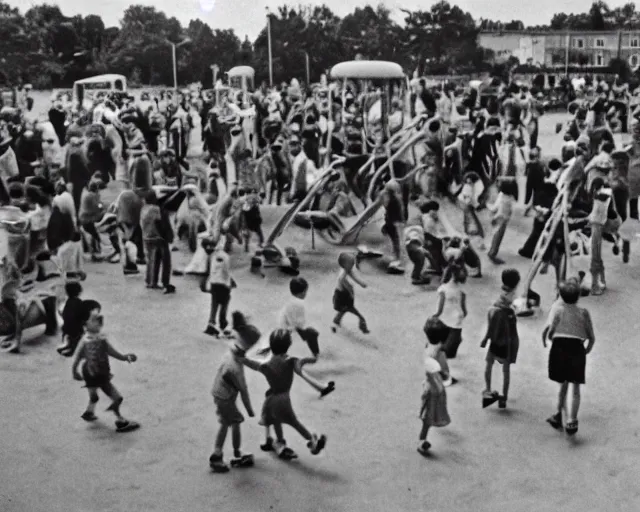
91,230
391,230
529,246
158,255
220,298
633,208
434,245
417,257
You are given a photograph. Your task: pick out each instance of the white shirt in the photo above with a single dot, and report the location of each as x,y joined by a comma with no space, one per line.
292,315
452,315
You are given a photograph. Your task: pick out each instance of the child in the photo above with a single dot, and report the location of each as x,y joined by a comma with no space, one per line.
293,318
277,409
91,211
70,258
437,334
434,232
433,411
157,235
568,327
72,316
228,383
344,294
502,210
470,192
452,306
95,350
502,331
393,217
218,282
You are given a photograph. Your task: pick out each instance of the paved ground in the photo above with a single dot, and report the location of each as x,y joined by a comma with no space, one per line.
485,460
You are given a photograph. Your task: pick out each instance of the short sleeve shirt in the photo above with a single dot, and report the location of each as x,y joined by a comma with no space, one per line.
292,315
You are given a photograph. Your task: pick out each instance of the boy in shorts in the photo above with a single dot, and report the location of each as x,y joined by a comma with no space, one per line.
95,350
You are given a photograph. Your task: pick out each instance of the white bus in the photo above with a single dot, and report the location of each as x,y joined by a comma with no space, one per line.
84,91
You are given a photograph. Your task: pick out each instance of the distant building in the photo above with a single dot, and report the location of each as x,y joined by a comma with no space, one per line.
549,49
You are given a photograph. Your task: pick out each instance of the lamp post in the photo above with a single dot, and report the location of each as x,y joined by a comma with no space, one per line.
306,59
186,40
269,44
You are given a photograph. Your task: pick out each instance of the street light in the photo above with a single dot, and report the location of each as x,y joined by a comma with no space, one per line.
186,40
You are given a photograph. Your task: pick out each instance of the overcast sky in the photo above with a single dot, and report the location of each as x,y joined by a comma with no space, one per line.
248,16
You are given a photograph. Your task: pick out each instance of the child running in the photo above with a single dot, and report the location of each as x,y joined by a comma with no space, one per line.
344,295
433,411
568,327
277,409
228,383
502,210
502,332
95,350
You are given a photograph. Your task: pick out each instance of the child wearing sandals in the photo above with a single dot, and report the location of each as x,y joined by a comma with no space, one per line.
568,327
95,350
502,332
344,294
277,409
433,411
230,382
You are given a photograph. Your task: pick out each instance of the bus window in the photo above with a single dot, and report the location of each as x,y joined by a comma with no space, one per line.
118,85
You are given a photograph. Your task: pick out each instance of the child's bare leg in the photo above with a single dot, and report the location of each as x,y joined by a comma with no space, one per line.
424,431
277,428
236,439
487,375
363,322
302,430
93,400
221,437
506,374
575,401
113,393
562,397
337,320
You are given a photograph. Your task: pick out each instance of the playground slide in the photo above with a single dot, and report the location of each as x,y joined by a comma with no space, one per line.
352,234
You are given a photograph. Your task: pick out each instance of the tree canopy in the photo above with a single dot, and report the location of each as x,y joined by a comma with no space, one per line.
49,49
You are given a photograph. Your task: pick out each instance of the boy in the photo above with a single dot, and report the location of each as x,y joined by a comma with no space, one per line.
218,282
292,318
502,331
228,383
96,372
157,235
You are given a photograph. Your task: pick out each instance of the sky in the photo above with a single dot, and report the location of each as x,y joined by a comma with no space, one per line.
247,17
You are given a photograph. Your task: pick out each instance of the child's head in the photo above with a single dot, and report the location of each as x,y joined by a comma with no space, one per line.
430,207
298,287
346,261
208,245
596,185
280,341
92,316
435,331
248,335
509,188
534,154
510,279
76,237
73,289
570,291
454,272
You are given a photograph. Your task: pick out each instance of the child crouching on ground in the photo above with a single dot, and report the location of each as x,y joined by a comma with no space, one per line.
95,350
433,411
228,383
502,332
277,409
344,294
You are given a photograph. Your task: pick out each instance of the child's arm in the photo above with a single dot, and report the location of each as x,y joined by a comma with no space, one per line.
130,358
487,336
589,326
244,395
76,362
357,280
300,362
250,363
463,304
205,277
440,307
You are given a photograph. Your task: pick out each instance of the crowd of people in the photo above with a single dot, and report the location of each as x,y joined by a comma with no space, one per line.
481,141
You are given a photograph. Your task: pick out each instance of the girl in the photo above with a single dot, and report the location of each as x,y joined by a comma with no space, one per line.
277,409
344,294
452,306
568,327
433,411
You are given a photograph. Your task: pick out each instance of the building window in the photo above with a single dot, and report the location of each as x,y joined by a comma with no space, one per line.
599,43
599,59
634,60
635,42
578,43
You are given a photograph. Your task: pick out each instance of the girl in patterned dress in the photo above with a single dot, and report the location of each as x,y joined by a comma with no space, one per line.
433,411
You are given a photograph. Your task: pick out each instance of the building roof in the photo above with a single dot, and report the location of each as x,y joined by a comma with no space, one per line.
556,32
